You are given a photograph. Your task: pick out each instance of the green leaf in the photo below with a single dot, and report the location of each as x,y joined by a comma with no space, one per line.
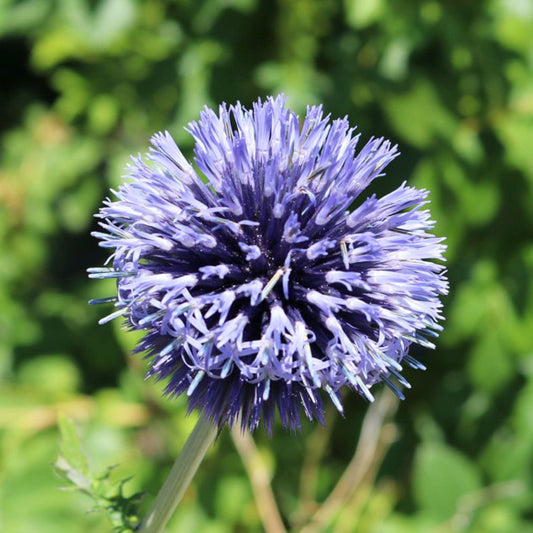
522,418
72,462
490,365
507,457
442,476
107,495
419,115
515,131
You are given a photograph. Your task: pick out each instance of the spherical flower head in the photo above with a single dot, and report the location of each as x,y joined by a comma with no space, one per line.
257,283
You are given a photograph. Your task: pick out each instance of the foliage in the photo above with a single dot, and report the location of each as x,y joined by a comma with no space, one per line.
88,81
107,496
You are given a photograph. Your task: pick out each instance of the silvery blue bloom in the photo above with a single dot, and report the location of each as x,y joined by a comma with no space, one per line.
257,283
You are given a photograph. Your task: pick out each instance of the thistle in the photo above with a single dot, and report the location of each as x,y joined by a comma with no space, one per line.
262,276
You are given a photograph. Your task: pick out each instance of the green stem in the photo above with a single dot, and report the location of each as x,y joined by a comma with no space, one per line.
180,476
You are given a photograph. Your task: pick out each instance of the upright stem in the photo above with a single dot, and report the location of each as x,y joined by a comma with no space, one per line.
180,476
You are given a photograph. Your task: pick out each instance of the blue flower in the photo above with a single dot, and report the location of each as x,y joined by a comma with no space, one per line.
256,282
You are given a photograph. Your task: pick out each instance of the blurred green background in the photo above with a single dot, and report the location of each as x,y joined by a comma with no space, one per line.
84,83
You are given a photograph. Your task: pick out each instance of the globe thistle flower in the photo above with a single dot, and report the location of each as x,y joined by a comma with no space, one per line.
257,283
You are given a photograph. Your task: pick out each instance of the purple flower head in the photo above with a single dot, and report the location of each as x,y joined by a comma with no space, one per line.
255,282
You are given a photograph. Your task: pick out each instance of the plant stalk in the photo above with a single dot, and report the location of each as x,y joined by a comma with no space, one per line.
180,477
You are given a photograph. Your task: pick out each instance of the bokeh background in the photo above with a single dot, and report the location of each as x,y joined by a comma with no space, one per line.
84,83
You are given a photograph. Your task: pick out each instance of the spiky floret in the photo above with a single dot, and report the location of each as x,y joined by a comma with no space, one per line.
254,282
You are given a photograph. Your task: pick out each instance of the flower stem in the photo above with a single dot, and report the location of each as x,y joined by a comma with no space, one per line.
180,476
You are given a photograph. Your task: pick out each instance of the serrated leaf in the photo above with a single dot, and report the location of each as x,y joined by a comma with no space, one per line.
71,456
77,478
107,495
